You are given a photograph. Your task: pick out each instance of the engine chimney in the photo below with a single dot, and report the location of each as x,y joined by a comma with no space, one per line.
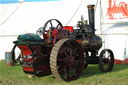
91,15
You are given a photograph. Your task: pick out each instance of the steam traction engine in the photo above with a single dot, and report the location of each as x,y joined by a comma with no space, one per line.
63,51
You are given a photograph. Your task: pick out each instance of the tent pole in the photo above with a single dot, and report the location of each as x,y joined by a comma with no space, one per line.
103,37
100,20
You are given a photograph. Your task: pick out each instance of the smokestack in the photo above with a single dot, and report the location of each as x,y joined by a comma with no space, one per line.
91,14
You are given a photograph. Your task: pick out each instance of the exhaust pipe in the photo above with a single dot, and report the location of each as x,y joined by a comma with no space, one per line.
91,15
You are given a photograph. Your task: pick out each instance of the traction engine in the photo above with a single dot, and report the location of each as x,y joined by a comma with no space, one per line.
63,50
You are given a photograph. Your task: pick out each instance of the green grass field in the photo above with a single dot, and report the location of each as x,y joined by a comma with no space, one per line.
90,76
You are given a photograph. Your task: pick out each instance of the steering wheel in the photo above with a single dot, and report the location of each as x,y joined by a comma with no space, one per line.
40,31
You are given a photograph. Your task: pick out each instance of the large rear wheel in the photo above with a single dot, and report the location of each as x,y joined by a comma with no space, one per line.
67,60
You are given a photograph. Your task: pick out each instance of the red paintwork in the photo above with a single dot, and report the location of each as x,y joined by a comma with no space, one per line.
116,61
125,61
70,28
54,32
122,7
38,59
46,36
25,52
30,69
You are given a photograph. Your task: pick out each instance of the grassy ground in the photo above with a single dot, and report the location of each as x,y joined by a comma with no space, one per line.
90,76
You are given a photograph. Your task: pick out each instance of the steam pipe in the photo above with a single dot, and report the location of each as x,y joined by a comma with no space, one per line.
91,14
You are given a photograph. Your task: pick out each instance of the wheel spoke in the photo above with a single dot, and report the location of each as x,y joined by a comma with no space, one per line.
51,23
69,44
72,70
65,51
61,54
57,26
66,54
70,52
66,75
62,68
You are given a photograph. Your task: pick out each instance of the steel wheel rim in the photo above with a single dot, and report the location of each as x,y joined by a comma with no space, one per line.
106,60
69,64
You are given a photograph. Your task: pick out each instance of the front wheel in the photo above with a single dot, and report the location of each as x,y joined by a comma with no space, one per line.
106,60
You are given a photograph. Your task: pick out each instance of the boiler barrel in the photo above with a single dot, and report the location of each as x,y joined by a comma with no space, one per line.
95,43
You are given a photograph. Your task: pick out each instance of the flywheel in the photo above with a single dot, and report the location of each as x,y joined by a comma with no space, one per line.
67,60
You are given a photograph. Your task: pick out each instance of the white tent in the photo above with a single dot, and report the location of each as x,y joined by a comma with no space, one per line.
116,38
114,24
27,17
